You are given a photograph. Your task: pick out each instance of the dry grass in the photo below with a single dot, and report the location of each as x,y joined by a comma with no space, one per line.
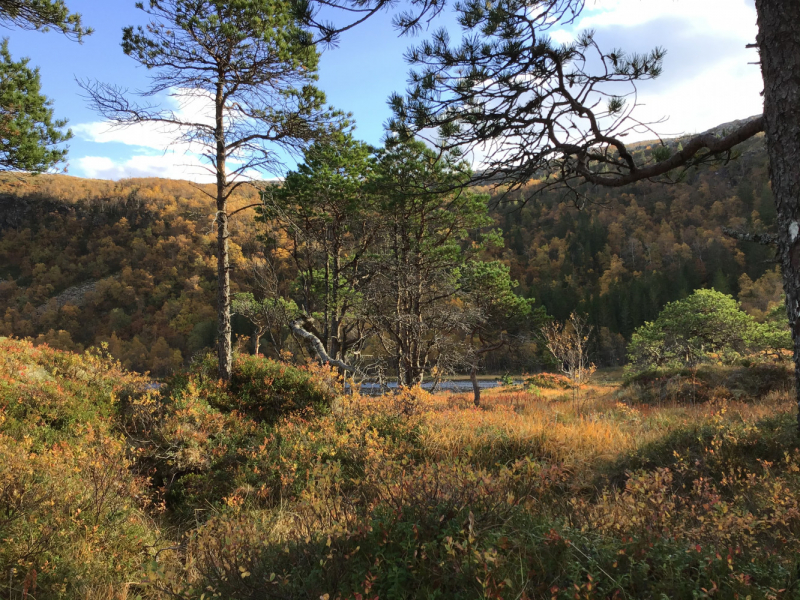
578,435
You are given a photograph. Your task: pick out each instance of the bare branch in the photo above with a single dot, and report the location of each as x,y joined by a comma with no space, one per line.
765,239
297,327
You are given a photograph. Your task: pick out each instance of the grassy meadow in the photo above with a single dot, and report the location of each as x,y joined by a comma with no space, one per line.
279,486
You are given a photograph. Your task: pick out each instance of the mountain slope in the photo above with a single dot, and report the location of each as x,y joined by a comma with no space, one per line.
131,263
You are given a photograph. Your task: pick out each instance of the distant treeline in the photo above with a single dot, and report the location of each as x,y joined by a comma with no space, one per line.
142,245
630,251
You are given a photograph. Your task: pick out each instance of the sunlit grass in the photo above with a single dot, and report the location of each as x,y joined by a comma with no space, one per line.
537,493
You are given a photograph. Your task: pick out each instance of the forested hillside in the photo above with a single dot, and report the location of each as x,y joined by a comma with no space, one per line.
630,251
131,263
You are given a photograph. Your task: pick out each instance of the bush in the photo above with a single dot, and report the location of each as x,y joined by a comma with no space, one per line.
262,389
709,382
258,439
708,326
548,381
73,520
47,394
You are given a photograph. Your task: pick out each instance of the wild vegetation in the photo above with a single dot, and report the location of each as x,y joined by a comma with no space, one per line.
144,249
240,475
278,485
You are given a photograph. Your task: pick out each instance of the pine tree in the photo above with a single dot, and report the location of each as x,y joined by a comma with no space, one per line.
255,66
499,317
326,209
42,15
28,132
412,296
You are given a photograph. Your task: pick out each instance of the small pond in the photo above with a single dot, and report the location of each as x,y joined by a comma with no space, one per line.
462,386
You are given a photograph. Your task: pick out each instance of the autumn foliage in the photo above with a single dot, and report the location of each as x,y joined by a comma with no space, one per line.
131,263
110,489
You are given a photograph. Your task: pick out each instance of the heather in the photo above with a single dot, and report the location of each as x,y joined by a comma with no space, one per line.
111,489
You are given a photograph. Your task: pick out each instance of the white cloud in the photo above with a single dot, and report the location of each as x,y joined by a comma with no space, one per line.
561,36
726,93
730,16
146,135
159,150
169,165
706,80
191,106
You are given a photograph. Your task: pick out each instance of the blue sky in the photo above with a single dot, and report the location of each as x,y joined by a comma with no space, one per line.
706,80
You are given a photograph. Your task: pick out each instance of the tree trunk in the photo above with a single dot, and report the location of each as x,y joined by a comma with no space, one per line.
224,350
476,389
779,47
257,332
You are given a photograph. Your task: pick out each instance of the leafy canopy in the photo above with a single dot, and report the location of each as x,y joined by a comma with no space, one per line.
330,181
706,326
237,32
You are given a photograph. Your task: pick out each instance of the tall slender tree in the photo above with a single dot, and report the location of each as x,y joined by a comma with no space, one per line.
254,66
778,44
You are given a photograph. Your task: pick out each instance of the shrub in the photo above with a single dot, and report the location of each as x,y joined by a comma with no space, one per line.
708,326
709,382
548,381
191,451
262,389
203,456
406,496
73,519
45,394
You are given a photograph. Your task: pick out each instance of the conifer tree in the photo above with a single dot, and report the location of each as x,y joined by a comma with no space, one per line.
42,15
500,317
254,65
412,301
327,211
28,132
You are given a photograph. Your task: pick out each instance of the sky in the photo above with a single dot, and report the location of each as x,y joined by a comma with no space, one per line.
707,78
